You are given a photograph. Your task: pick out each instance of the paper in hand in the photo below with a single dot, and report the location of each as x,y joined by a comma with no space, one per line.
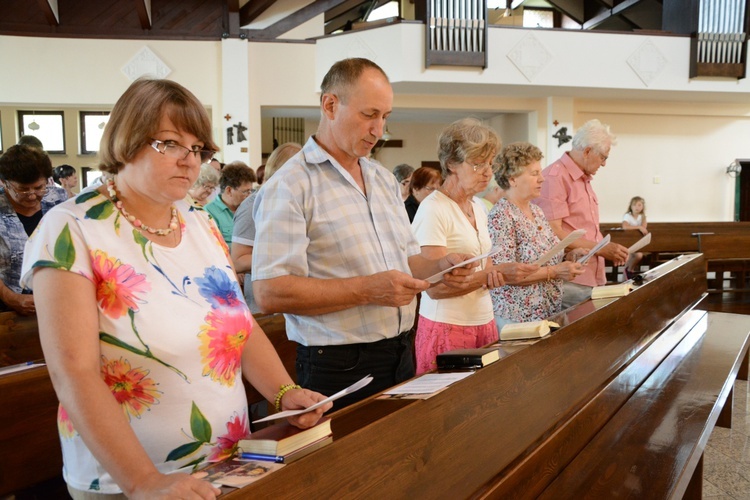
640,243
290,413
560,246
436,277
591,253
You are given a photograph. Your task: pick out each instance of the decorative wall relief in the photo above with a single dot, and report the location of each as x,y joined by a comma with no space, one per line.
145,63
529,56
647,62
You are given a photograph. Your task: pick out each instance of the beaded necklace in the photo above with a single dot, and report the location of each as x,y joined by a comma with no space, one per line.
173,223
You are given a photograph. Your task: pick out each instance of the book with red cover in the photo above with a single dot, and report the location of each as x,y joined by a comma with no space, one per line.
284,438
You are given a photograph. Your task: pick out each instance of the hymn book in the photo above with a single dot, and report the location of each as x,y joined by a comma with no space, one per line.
467,358
284,438
528,330
611,291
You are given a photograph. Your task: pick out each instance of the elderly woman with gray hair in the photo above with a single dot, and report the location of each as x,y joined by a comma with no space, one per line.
522,232
452,220
205,185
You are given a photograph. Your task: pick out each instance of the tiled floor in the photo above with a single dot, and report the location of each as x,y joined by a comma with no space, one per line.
726,463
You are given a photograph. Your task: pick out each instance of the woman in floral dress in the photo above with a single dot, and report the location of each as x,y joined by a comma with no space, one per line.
148,348
521,230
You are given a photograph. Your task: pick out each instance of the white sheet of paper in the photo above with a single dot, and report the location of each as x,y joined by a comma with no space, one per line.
640,243
290,413
436,277
560,246
598,247
427,384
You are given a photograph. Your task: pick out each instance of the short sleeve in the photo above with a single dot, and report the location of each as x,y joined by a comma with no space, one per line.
58,242
554,198
244,224
429,226
281,232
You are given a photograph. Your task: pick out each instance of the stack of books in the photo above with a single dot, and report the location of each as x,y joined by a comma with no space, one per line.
283,443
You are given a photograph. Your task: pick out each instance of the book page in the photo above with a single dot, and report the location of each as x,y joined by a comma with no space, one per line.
436,277
289,413
640,243
427,384
591,253
560,246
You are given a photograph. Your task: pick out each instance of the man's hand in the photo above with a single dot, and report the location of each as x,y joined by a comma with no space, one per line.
393,288
615,252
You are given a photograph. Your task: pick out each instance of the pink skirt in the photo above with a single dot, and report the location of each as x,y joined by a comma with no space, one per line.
433,338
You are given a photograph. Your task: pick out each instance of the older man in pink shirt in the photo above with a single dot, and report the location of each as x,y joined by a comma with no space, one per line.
569,203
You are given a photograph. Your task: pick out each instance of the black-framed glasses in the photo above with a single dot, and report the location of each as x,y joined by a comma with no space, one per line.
180,152
27,193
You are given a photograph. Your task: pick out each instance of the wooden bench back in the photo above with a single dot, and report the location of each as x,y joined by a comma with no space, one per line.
673,237
19,339
725,246
274,326
29,443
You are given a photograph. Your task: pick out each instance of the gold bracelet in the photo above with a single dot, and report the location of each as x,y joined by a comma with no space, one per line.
284,389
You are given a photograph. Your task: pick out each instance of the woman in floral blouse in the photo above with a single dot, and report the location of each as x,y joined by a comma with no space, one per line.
148,349
520,229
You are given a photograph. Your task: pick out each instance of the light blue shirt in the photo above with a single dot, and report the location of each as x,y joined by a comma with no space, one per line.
313,220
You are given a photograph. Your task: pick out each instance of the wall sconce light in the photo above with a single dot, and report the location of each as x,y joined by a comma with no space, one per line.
734,169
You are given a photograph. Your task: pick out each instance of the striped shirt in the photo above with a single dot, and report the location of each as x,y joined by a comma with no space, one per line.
314,221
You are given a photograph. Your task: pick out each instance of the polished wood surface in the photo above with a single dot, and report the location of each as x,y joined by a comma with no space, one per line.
672,237
19,339
512,427
676,409
29,445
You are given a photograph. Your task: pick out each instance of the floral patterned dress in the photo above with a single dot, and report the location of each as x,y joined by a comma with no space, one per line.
523,240
172,327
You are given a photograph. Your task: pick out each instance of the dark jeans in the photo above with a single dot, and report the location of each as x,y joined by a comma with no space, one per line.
329,369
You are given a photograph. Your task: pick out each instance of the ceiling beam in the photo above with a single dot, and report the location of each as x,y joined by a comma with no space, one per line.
293,20
143,7
233,18
618,10
51,12
252,9
571,8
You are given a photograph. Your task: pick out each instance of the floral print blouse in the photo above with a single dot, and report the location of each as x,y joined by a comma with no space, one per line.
172,327
523,240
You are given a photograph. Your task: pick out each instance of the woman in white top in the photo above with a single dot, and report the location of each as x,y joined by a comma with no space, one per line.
449,220
635,218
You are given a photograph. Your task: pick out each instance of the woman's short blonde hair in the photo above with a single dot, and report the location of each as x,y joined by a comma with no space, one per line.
467,139
279,156
136,116
514,158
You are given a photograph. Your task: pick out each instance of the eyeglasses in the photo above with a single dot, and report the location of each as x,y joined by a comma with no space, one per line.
180,152
245,192
481,168
406,182
604,157
27,193
429,188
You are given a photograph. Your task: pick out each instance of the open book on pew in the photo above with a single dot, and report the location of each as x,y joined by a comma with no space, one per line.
528,330
284,438
611,291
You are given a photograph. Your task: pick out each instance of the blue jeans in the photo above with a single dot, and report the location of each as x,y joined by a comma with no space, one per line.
329,369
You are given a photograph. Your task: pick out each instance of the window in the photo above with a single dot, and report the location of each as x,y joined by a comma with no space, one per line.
92,127
1,135
538,18
390,9
89,175
47,126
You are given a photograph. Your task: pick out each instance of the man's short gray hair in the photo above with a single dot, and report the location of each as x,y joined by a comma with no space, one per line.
594,134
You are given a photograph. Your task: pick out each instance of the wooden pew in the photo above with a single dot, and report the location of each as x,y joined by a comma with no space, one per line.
669,238
511,428
29,444
19,339
676,410
727,253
